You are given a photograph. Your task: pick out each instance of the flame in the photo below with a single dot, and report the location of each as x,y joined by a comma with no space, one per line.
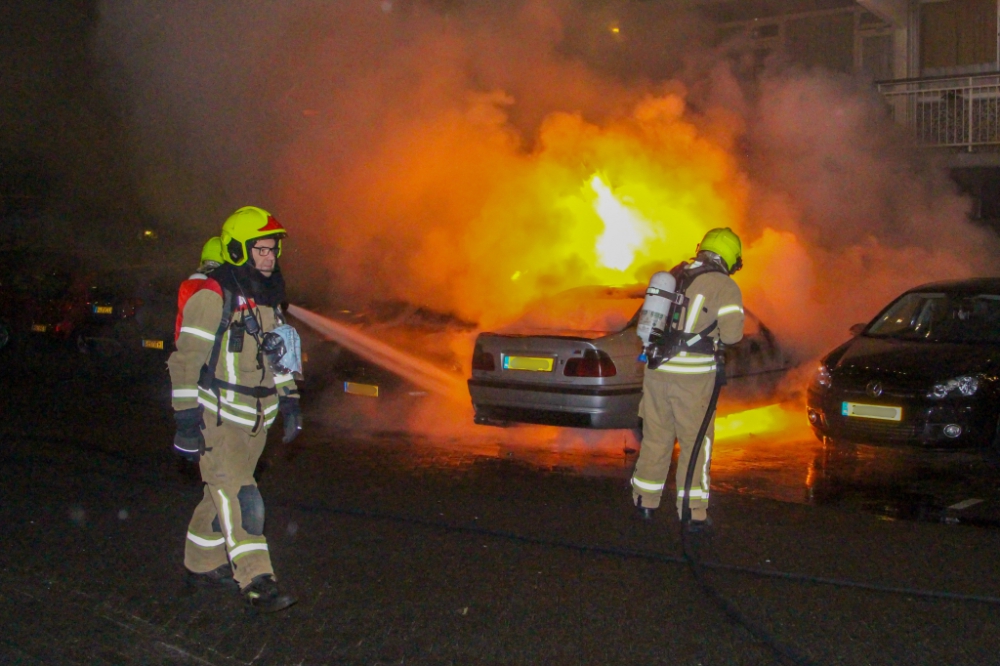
455,214
782,419
625,230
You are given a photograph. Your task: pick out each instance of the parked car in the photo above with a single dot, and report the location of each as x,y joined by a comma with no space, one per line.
925,371
416,331
572,360
39,296
129,310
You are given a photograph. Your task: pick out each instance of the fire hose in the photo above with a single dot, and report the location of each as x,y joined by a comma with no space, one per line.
756,630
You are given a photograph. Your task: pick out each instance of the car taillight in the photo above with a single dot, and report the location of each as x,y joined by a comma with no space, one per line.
595,363
482,360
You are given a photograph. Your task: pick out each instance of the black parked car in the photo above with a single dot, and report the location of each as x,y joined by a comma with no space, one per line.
925,371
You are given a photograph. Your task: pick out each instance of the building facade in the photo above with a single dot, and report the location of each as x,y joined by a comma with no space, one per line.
935,62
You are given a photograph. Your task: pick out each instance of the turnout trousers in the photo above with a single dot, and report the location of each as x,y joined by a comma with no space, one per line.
673,407
228,524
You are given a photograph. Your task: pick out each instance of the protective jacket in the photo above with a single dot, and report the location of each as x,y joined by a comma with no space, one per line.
239,388
714,309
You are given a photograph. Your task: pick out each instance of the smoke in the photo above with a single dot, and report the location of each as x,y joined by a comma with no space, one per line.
445,154
848,213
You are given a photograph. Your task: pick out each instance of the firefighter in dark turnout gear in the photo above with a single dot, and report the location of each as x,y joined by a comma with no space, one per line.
225,396
677,392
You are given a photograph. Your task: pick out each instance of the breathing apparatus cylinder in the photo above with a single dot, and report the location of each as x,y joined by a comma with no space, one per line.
658,308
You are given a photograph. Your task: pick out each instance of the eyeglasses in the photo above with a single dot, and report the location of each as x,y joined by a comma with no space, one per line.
266,251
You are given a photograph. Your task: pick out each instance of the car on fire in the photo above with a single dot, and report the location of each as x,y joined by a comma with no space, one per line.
572,360
925,371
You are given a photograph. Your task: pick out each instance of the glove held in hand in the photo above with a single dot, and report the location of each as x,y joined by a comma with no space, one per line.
189,442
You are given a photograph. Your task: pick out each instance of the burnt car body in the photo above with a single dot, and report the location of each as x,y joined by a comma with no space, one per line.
586,374
924,371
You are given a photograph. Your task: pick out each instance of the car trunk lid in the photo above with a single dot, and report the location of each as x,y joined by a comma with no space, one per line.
540,359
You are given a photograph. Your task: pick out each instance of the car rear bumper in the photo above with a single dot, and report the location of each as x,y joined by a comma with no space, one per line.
927,424
600,407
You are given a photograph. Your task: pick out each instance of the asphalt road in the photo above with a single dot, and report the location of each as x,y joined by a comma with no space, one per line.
409,546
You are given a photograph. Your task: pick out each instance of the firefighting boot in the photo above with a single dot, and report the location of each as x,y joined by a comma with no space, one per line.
699,526
263,596
221,576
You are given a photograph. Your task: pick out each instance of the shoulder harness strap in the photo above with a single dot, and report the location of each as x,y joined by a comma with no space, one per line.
677,341
208,380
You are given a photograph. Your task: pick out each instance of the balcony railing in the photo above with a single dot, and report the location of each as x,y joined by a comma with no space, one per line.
958,111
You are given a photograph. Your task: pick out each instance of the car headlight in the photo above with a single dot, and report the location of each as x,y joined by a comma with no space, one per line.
823,378
966,385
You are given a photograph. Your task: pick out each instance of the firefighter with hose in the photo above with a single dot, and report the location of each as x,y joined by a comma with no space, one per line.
689,314
232,374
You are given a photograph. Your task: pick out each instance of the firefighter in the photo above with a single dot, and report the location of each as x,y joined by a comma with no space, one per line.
225,396
211,258
676,394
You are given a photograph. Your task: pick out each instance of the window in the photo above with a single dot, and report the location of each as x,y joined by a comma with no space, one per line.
958,33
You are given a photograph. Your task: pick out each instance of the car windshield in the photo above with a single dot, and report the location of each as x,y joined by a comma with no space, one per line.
941,317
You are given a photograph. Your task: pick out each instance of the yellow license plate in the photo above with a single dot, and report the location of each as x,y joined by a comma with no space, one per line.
880,412
39,328
532,363
369,390
103,309
152,344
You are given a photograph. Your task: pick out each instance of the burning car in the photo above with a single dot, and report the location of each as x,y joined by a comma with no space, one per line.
926,371
586,372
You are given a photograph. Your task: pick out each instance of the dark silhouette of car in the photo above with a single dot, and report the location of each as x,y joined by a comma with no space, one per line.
39,297
131,311
925,371
418,331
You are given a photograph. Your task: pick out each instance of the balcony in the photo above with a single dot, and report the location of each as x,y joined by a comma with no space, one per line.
959,113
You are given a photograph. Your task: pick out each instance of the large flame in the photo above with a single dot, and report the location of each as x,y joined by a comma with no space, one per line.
471,222
625,230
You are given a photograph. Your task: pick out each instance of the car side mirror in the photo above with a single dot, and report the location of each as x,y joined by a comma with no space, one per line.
856,329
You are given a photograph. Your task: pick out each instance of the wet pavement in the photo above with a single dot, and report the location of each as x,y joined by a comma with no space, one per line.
513,546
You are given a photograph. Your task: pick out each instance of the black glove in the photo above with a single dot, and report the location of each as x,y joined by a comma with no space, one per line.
291,416
189,443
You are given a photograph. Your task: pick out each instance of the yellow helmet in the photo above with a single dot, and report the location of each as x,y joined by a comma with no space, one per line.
212,252
245,226
725,243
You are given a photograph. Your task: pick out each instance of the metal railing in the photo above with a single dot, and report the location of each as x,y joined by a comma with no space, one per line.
955,111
